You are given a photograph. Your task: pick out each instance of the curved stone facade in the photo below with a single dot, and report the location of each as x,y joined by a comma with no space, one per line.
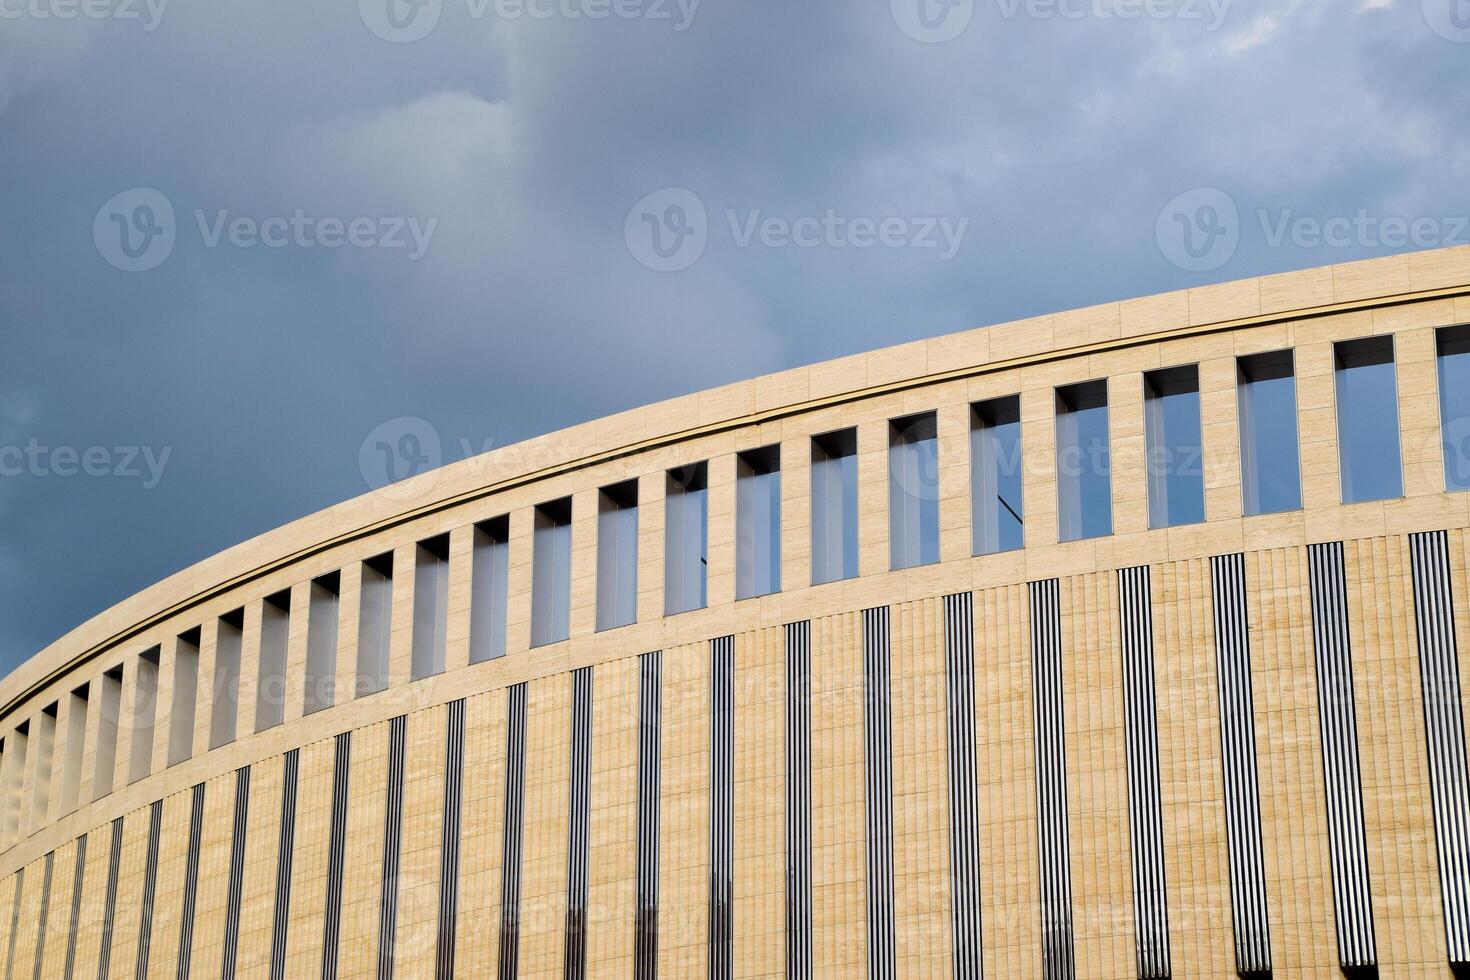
390,739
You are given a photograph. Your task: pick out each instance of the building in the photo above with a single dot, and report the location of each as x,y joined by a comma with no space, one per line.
1124,642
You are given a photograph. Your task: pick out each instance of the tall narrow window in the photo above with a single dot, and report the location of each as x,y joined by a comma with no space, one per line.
1176,469
551,571
488,585
430,606
996,500
1454,404
275,633
1084,464
686,539
758,522
76,737
322,617
45,749
374,624
1270,456
186,695
617,555
109,707
226,705
913,491
1368,420
834,507
145,709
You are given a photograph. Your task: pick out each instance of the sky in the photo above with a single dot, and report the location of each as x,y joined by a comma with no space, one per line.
260,257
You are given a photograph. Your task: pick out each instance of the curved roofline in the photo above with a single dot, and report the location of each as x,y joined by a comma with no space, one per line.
1320,291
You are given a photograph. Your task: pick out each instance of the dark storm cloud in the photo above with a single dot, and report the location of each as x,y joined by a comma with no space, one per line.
276,334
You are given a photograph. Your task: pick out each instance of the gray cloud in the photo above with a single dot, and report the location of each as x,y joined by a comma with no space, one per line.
262,369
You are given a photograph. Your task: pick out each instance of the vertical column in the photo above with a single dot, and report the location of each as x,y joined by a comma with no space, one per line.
189,901
336,854
761,763
449,841
645,948
1195,816
1051,783
478,928
544,860
1357,946
89,905
839,939
1248,905
577,824
261,867
1412,926
285,864
209,668
297,640
514,823
722,805
1145,816
400,635
923,901
613,843
461,584
1439,678
362,889
872,494
796,511
1293,815
128,896
213,876
422,845
964,818
1096,776
349,626
392,857
311,885
798,800
57,957
682,839
878,740
171,877
235,885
